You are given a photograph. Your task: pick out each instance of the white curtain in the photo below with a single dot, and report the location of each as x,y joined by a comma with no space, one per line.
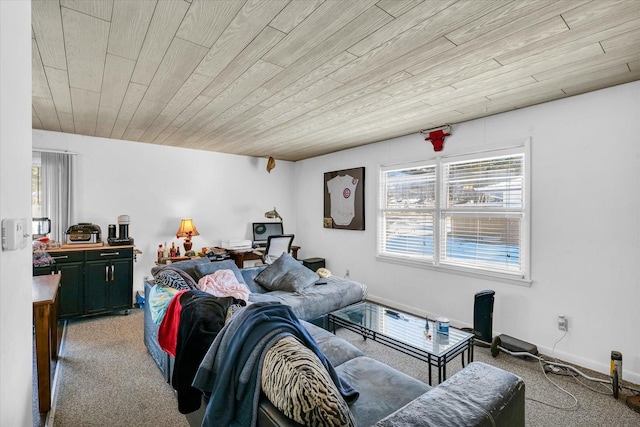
57,192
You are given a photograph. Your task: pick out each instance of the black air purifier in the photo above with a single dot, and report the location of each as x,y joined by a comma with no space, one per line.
483,316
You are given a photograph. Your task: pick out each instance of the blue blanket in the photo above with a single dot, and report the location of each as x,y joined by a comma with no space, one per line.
230,372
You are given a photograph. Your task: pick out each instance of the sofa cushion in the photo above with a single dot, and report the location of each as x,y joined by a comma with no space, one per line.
174,278
318,300
265,297
298,384
188,266
479,395
286,274
249,275
202,270
334,348
374,380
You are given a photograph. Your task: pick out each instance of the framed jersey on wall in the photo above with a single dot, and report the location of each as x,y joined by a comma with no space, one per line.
344,199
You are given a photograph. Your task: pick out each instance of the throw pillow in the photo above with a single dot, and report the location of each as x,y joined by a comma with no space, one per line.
202,270
296,382
174,278
286,274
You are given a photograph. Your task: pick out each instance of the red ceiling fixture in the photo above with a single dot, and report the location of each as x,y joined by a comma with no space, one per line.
437,136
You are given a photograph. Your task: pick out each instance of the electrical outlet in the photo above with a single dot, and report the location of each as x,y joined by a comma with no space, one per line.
563,323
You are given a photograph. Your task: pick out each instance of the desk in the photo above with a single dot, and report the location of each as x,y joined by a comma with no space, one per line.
240,256
44,291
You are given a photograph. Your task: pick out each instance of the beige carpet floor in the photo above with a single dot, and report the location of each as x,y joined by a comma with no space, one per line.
107,378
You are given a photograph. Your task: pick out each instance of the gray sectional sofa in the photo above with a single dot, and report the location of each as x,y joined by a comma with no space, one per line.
478,395
311,304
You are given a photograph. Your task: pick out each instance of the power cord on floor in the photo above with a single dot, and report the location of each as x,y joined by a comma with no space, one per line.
608,388
568,408
566,372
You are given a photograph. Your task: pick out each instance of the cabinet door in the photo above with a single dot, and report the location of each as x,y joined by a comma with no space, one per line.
70,264
121,284
41,271
96,287
71,285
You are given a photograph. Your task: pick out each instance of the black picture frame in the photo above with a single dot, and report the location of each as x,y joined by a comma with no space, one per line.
345,189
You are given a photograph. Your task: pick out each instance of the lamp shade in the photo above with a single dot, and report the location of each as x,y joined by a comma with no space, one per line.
187,229
272,214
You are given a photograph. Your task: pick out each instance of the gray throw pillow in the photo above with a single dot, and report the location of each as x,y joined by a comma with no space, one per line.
202,270
286,274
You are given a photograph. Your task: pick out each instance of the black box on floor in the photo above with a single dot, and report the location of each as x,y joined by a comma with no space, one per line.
313,263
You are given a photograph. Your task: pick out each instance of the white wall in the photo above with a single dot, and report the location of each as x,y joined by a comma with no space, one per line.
157,186
585,228
15,182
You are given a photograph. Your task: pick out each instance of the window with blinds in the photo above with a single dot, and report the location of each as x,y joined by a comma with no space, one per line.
409,202
465,213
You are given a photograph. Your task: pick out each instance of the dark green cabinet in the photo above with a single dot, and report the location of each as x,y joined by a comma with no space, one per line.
70,296
71,265
94,281
121,290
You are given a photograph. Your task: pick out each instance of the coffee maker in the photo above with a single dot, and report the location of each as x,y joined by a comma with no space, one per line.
123,234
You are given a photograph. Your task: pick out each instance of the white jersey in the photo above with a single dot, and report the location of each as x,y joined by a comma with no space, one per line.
343,194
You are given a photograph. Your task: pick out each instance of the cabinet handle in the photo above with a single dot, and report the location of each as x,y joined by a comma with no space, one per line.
113,269
60,257
110,254
106,273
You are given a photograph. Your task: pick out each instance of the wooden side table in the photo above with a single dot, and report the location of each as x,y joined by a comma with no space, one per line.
240,256
45,319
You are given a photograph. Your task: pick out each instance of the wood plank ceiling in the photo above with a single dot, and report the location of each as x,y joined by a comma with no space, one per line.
300,78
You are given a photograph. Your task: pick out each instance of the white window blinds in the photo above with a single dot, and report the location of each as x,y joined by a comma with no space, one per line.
482,212
462,213
409,201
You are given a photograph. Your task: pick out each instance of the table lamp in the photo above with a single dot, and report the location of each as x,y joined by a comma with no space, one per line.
273,214
187,230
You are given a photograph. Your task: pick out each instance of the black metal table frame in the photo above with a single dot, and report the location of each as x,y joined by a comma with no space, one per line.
403,347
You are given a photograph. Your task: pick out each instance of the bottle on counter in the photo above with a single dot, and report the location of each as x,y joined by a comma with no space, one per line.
177,250
165,254
160,253
172,252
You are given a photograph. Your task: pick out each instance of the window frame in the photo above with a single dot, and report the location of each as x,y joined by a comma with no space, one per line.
521,277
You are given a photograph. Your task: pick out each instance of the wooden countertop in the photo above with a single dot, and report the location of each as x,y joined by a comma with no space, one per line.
44,288
81,247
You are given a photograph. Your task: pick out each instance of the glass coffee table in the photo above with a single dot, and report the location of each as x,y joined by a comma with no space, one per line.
404,332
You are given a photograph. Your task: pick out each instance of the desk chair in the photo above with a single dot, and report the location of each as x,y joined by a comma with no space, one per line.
276,246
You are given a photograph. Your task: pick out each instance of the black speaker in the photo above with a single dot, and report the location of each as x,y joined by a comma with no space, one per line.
483,316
